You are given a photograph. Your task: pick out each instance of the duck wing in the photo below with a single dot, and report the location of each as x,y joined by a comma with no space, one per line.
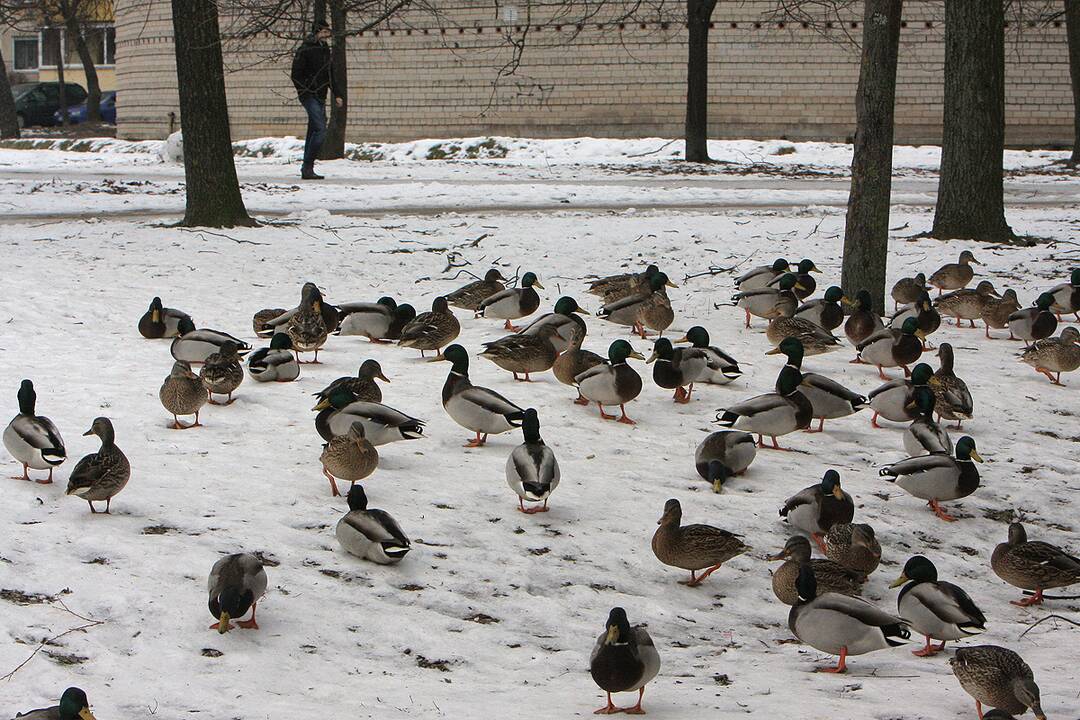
38,432
491,401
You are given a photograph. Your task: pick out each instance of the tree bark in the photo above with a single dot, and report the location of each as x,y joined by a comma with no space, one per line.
971,202
93,89
1072,30
334,146
319,13
866,233
9,121
213,191
64,117
698,14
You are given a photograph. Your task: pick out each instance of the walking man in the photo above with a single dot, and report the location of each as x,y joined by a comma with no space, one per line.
312,75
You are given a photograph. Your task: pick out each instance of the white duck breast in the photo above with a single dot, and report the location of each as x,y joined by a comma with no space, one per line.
832,621
929,477
532,472
34,441
926,436
372,535
829,398
382,423
598,384
367,319
198,345
934,612
481,410
891,399
273,365
504,305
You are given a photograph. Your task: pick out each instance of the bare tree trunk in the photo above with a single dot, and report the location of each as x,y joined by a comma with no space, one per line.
93,88
971,202
698,14
334,146
1072,30
213,191
866,234
319,11
9,121
65,119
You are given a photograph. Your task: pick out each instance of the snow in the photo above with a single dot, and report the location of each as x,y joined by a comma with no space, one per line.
507,605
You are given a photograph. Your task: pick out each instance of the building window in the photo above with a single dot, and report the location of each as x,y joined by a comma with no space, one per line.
26,53
100,41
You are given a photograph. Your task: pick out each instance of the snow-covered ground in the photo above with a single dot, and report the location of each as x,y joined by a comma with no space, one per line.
493,611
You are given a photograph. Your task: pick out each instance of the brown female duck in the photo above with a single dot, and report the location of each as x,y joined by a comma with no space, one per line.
831,576
1033,565
693,547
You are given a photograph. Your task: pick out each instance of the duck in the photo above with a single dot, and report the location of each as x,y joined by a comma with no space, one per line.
825,312
853,545
616,287
1034,323
967,304
839,624
723,454
953,276
329,313
693,547
829,399
814,338
769,302
161,322
1053,356
222,373
475,408
938,477
952,397
194,346
721,368
372,320
512,303
382,423
237,582
370,534
532,471
275,363
908,289
805,283
431,330
613,382
262,321
348,457
574,361
1033,565
101,475
676,369
924,436
469,297
934,608
650,310
928,318
183,393
832,577
863,322
363,387
565,319
777,413
895,400
762,275
996,311
1067,296
32,439
817,508
998,677
893,348
73,706
307,327
624,659
524,354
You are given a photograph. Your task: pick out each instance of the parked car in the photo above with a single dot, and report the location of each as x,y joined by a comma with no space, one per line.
36,103
77,113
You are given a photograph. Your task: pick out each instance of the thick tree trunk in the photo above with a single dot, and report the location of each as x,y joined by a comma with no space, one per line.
213,192
866,234
1072,30
970,202
93,88
698,13
9,121
334,146
319,11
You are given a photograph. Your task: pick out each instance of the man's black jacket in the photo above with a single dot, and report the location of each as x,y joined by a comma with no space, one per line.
312,71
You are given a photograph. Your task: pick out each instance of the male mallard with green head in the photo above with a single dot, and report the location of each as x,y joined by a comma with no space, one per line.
275,363
723,454
532,471
362,386
369,533
32,439
893,348
372,320
566,319
236,584
825,312
895,400
1067,296
612,383
936,478
161,322
806,284
761,275
1034,323
721,368
475,408
777,413
624,659
769,302
382,423
73,706
512,303
817,508
676,369
934,608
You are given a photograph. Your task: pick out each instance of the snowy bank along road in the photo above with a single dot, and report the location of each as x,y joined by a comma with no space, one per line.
492,610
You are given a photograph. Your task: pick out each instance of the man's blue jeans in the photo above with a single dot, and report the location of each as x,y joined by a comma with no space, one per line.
316,129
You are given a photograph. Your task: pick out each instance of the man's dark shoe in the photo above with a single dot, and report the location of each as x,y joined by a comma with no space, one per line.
310,175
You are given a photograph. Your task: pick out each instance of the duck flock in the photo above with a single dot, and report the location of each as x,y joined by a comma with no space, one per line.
826,610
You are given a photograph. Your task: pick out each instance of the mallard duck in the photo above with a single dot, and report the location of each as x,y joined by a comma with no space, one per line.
967,304
73,706
575,361
382,423
998,677
262,321
1033,565
853,545
370,534
532,470
953,276
677,369
721,368
895,400
825,312
924,436
432,330
832,577
693,547
908,289
649,310
565,320
329,313
814,338
762,275
101,475
368,319
194,346
161,322
952,397
839,624
806,284
33,440
307,327
817,508
275,363
1067,296
722,454
613,382
624,659
616,287
183,393
927,317
829,399
222,373
863,321
237,582
935,478
776,413
769,302
469,297
1053,356
937,609
348,457
524,354
475,408
363,386
512,303
893,348
1034,323
996,311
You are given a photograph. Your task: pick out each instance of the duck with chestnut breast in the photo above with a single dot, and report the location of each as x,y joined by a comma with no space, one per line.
160,322
348,457
829,399
32,439
1067,296
814,338
262,321
237,582
953,276
805,282
624,659
469,297
431,330
368,319
762,275
613,382
952,398
616,287
693,547
937,478
967,304
183,393
307,327
908,289
863,321
998,677
1053,356
934,608
362,386
644,311
769,302
222,373
817,508
853,545
370,534
924,312
721,368
831,576
275,363
532,471
382,423
565,319
924,436
893,348
512,303
1034,323
73,706
723,454
676,369
825,312
575,361
777,413
524,354
101,475
1033,565
475,408
194,346
895,400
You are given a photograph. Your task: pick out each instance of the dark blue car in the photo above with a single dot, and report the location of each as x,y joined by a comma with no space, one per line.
77,113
